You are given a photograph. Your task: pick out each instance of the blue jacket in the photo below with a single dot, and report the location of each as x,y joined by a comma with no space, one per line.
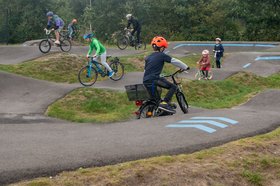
56,21
219,49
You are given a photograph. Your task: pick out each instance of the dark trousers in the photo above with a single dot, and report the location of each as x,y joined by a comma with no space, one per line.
138,30
218,62
163,83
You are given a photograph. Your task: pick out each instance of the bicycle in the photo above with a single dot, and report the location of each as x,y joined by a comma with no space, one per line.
88,74
199,75
149,104
127,39
75,35
46,44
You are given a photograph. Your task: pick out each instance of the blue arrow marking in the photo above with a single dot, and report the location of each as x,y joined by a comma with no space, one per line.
267,58
231,121
247,65
215,123
200,127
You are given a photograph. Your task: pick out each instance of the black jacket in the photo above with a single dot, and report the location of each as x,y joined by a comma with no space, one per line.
135,23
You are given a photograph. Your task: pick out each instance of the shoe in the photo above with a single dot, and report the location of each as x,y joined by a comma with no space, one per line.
166,107
111,73
57,42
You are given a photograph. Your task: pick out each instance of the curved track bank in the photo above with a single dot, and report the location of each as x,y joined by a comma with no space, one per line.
33,145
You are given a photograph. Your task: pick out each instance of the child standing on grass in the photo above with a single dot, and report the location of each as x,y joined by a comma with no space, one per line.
204,64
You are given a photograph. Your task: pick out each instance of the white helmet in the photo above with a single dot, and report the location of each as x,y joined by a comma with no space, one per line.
128,16
218,39
205,52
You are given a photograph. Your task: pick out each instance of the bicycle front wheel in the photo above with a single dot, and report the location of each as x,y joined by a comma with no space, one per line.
65,45
141,46
87,76
198,75
182,102
45,46
118,68
122,43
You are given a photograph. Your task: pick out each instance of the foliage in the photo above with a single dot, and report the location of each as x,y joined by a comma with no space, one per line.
175,19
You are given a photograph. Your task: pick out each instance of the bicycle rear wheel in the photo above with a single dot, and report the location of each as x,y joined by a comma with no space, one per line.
65,45
45,46
87,76
182,102
122,43
147,111
210,75
118,68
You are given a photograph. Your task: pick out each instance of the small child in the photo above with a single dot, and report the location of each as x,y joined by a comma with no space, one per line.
219,52
100,51
204,64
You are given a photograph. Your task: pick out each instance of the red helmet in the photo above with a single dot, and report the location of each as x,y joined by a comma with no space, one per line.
159,42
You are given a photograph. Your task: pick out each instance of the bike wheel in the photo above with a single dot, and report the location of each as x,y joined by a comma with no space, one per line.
118,68
87,76
182,102
197,76
142,46
210,75
65,45
45,46
148,110
122,43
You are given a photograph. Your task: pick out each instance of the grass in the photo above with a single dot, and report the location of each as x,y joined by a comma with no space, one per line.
230,92
63,68
92,105
250,161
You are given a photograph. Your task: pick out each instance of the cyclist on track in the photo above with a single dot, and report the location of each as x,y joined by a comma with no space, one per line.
72,28
154,64
136,27
100,51
219,52
204,64
57,23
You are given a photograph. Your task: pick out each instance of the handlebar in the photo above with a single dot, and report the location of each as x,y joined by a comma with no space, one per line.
177,72
48,32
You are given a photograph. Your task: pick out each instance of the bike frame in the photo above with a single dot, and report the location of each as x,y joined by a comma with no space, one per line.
92,62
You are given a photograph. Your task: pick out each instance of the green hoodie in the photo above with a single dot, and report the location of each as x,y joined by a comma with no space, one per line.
97,46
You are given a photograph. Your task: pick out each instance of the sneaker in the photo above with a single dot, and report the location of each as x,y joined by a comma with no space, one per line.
166,107
111,73
57,42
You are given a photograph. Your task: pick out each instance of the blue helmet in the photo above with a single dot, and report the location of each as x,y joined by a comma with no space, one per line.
49,14
88,36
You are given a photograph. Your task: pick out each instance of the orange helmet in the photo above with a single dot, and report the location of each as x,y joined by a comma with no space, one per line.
159,42
74,21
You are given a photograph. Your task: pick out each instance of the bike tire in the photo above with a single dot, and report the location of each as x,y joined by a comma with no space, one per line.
65,45
118,68
143,46
210,75
182,102
83,76
122,43
147,110
197,76
45,44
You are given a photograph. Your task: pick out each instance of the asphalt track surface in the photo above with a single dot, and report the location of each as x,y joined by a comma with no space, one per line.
33,145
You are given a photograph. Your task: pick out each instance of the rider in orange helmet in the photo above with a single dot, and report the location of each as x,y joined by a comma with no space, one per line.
154,64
